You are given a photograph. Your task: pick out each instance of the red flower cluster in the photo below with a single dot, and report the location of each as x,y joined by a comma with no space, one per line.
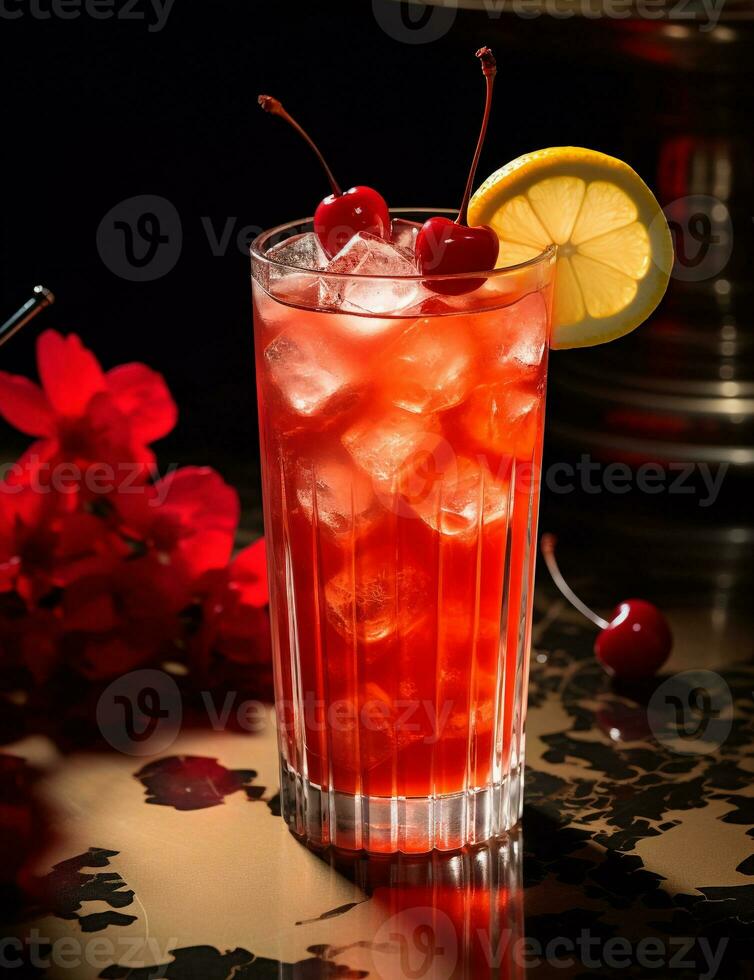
104,566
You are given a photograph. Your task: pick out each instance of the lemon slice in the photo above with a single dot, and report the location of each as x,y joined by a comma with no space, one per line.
614,247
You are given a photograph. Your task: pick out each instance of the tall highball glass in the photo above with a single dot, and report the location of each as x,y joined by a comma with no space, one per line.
401,422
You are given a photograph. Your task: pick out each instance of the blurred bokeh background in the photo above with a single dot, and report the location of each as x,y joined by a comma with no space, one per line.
162,103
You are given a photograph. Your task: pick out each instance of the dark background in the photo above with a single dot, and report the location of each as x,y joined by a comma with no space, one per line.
99,111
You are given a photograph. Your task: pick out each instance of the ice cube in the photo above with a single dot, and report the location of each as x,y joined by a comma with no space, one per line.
381,446
365,258
370,255
516,336
377,601
342,493
311,376
429,368
385,727
364,328
466,495
502,419
301,251
293,289
404,233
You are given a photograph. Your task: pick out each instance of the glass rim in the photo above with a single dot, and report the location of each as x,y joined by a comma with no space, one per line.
257,254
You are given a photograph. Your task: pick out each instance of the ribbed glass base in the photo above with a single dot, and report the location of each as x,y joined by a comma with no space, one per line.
385,825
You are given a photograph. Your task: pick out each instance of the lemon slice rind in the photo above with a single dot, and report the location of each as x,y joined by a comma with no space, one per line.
615,251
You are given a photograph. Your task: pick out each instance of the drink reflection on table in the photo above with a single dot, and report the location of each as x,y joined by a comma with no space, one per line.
454,916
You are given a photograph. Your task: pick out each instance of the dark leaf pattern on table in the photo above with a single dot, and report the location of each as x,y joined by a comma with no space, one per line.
616,786
331,913
208,963
599,785
193,782
68,885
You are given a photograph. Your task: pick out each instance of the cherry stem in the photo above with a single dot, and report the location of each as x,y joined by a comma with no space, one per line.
489,69
547,545
275,108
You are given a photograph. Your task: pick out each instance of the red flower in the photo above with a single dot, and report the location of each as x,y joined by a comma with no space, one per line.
234,621
29,638
126,614
84,416
29,529
100,568
44,546
189,518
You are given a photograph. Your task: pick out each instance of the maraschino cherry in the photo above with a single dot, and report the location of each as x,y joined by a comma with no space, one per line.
343,213
634,643
445,247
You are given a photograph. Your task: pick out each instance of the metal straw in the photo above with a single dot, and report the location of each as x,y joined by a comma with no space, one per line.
41,299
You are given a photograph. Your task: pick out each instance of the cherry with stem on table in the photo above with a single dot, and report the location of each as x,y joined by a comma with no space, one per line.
634,643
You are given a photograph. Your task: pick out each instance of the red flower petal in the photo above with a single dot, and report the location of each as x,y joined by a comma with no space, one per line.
41,654
24,405
142,395
9,570
93,614
105,435
200,511
201,498
248,574
204,551
245,638
33,467
111,655
70,374
189,516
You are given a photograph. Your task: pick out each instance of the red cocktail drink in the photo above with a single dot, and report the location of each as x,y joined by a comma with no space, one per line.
401,430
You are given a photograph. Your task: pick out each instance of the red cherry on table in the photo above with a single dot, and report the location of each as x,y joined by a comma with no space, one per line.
636,642
343,213
444,247
340,216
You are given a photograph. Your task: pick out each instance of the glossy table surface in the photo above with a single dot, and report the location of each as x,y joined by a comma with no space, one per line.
634,856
